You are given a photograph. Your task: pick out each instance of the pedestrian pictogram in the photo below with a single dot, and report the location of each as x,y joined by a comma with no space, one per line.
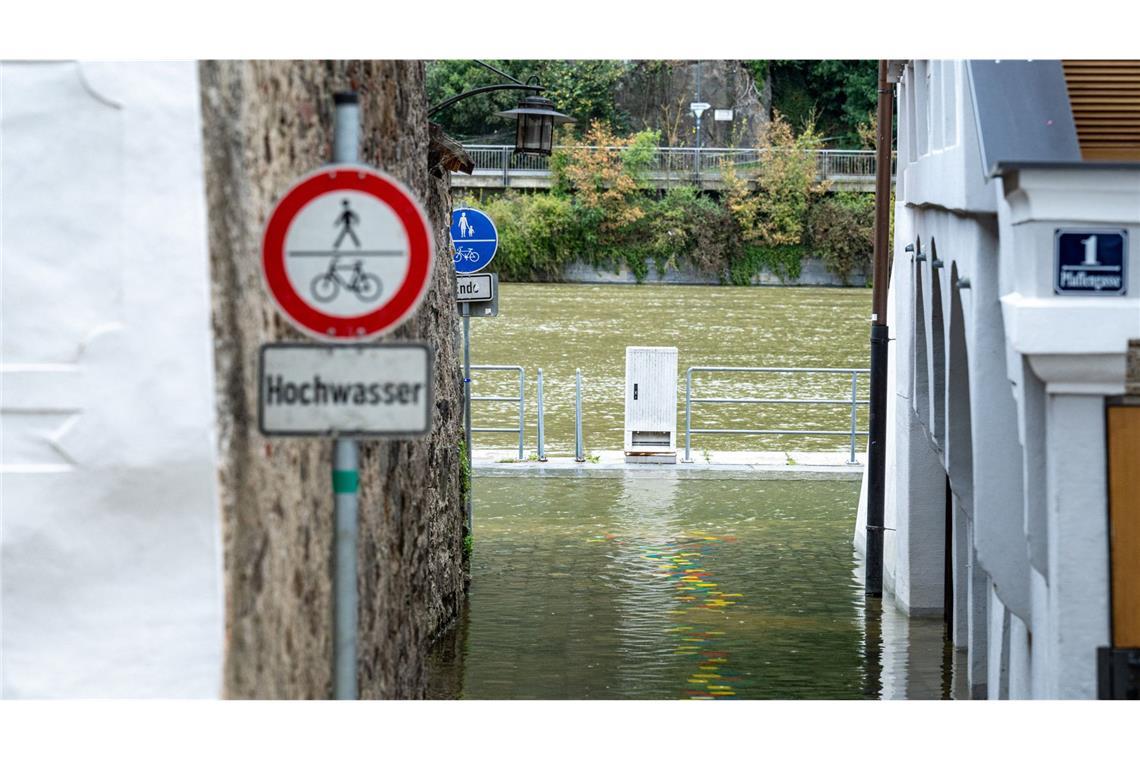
474,240
347,253
346,219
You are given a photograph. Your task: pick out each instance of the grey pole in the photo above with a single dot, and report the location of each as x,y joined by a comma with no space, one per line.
854,385
345,482
688,414
467,409
522,407
345,475
541,431
579,453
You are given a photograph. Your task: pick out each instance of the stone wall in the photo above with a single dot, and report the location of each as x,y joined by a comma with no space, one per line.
657,95
266,123
812,272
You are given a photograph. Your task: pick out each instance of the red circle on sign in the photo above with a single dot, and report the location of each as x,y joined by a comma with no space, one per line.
421,253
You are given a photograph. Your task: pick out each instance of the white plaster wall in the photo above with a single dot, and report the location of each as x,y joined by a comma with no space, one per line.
1078,544
110,568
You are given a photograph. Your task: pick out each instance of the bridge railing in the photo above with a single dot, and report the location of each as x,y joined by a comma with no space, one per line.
680,163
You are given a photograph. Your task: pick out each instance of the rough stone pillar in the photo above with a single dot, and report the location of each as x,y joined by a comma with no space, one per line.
266,123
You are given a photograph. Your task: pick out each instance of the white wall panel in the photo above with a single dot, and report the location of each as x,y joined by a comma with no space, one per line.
110,568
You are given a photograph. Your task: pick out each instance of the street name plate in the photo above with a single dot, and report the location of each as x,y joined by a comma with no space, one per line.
1090,262
351,390
475,287
471,293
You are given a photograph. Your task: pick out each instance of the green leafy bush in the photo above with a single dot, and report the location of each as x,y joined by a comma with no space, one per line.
841,232
601,213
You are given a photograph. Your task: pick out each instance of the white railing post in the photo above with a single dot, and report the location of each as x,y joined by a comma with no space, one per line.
522,405
854,383
688,415
541,429
579,449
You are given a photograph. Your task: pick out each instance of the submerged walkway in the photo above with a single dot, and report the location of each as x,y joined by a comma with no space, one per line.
772,464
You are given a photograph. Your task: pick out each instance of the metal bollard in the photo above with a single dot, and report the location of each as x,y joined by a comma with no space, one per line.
854,384
579,454
522,407
688,416
541,429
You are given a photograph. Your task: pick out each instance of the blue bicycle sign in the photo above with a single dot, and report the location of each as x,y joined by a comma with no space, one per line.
474,240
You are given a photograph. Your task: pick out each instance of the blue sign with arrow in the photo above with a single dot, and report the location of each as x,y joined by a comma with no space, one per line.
474,240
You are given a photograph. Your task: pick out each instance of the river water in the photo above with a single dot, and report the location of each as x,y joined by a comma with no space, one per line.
563,327
667,584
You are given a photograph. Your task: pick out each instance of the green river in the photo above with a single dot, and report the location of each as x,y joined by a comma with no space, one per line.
559,328
665,584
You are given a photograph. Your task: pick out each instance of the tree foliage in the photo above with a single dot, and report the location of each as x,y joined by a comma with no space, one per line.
601,212
581,89
836,95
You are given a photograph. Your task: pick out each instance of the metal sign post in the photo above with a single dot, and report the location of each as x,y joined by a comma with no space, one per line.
346,255
345,474
474,241
467,408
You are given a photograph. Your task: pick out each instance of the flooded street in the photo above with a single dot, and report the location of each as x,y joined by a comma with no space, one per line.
561,327
654,585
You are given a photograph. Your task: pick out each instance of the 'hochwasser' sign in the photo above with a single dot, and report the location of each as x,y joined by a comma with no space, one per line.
361,390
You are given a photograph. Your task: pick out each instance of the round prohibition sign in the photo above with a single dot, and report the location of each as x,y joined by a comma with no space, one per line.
347,253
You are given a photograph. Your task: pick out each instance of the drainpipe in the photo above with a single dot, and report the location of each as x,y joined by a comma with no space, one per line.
876,449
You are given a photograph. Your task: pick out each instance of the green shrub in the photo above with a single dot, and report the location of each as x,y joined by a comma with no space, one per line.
841,232
600,213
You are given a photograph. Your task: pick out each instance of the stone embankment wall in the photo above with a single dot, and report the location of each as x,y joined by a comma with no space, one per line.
812,272
266,123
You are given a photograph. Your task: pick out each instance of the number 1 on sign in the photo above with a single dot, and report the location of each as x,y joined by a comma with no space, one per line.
1090,250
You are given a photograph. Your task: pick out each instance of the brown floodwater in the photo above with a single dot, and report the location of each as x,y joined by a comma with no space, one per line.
563,327
661,586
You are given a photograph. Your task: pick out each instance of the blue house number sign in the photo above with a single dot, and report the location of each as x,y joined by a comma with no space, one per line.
474,240
1090,262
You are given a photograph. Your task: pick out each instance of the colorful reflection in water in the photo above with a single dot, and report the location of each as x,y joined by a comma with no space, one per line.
654,585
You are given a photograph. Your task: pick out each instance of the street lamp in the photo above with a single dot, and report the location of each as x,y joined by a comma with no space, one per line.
534,132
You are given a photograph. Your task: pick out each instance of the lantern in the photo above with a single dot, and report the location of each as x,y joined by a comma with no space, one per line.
536,120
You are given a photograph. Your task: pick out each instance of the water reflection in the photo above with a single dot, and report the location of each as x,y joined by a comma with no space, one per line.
658,585
645,522
906,658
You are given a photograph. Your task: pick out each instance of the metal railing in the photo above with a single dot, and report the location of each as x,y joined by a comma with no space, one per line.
519,399
579,442
667,163
853,402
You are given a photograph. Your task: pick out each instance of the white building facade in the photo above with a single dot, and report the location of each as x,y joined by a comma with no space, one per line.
110,532
995,503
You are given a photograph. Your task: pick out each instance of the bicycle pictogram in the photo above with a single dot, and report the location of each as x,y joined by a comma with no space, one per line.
365,285
465,253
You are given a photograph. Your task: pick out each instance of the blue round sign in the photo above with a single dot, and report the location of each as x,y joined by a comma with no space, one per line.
474,239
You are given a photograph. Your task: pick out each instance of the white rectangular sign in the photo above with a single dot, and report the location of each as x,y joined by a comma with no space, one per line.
722,114
474,287
366,390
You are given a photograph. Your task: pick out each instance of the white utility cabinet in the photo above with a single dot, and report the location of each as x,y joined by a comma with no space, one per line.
650,405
